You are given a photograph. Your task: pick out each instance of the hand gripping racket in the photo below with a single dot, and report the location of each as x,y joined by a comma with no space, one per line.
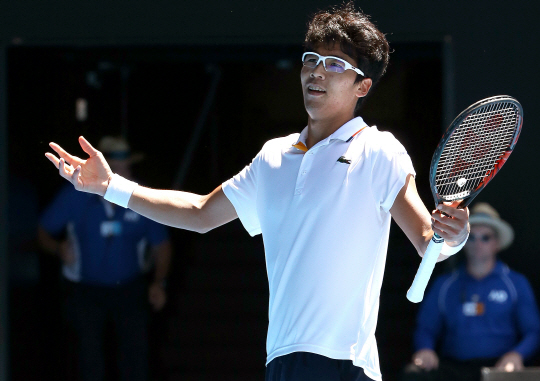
471,152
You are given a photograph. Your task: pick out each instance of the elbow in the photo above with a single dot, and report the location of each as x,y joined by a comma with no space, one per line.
209,212
203,221
203,229
198,223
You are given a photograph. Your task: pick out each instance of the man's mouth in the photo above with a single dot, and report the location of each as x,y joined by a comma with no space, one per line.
315,90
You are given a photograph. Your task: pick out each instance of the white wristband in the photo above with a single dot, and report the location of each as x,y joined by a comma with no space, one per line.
451,250
119,190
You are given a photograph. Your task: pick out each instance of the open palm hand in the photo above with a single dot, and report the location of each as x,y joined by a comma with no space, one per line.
90,175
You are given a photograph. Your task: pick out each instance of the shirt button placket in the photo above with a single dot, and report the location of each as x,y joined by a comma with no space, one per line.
304,168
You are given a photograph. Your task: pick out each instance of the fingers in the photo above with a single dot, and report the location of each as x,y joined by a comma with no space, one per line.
68,172
75,175
507,366
450,223
74,160
452,210
510,362
53,159
87,147
426,360
157,299
447,223
64,169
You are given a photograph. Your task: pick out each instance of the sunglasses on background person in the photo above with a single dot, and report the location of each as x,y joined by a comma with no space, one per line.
330,63
481,237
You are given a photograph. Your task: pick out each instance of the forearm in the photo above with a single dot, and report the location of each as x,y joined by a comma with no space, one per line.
419,225
47,242
423,340
172,208
412,216
183,210
527,346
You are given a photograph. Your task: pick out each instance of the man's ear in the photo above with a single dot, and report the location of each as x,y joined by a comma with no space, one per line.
363,87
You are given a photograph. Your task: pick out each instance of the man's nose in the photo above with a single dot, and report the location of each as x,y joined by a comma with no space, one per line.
319,71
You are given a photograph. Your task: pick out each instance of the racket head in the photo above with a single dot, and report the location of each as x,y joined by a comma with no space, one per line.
474,148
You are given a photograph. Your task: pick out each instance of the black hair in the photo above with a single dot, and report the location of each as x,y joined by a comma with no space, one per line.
357,37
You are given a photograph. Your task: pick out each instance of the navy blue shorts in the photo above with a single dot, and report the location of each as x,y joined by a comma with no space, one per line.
304,366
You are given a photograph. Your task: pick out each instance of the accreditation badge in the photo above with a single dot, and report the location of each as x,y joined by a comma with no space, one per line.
474,307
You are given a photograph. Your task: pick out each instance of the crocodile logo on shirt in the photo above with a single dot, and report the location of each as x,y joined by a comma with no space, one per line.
344,160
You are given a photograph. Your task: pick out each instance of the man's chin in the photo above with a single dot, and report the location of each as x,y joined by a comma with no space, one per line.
315,108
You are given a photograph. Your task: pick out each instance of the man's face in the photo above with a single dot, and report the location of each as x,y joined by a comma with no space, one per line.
483,243
327,93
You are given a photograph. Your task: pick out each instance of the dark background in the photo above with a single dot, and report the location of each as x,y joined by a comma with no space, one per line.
446,56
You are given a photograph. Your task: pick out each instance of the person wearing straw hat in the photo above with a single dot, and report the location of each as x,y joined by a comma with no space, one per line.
103,258
482,314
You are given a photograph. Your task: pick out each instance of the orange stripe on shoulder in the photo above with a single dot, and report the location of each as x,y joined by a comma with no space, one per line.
301,146
358,131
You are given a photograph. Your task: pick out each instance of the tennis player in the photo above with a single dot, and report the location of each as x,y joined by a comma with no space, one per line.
322,200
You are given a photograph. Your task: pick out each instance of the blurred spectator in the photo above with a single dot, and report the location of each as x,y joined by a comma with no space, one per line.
102,247
482,314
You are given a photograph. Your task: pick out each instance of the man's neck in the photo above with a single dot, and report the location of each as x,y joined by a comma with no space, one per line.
320,129
480,269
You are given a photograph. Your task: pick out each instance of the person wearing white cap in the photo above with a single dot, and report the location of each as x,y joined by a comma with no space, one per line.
483,314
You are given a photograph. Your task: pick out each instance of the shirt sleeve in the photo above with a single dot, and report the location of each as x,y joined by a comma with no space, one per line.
429,321
60,211
528,318
241,190
390,166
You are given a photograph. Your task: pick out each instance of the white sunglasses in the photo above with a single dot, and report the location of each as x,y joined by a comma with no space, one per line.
335,64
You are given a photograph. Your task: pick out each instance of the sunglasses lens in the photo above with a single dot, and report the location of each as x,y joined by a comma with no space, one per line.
335,65
331,64
310,60
483,238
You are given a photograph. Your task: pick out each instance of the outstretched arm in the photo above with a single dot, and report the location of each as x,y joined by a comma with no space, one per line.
184,210
413,218
174,208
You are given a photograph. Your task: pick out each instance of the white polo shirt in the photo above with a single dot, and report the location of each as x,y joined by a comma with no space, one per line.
324,216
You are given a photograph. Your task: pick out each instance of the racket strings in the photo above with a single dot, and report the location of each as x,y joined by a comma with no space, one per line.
474,148
472,157
474,160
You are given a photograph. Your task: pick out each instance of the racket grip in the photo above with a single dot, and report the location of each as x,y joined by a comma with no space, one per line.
421,279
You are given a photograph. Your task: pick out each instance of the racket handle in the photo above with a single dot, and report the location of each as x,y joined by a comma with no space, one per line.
421,279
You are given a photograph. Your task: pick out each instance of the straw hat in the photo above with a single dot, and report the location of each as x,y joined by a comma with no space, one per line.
117,148
484,214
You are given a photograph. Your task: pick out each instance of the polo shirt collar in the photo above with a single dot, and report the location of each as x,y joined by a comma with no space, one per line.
349,129
345,133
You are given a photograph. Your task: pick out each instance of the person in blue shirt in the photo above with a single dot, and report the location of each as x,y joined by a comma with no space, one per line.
103,251
482,314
